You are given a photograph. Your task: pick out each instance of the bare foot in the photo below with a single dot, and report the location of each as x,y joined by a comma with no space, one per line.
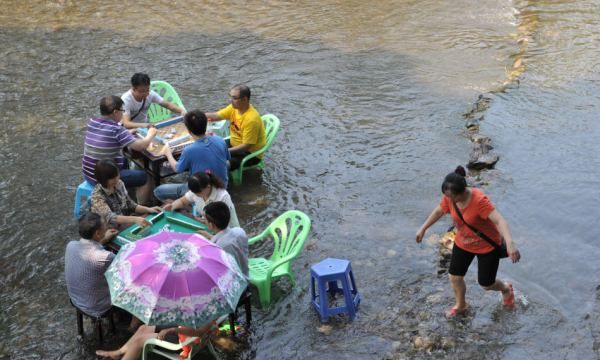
115,354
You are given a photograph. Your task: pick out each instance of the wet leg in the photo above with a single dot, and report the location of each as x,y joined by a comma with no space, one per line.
460,289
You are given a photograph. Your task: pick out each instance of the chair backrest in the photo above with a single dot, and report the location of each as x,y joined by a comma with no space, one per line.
289,231
271,128
157,113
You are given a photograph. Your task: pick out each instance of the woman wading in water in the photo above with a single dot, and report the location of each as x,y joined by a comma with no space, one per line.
471,208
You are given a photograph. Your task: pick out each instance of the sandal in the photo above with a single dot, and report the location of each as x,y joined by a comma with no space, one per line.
454,312
510,300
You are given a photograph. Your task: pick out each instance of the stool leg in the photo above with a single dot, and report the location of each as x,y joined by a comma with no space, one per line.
333,287
354,289
248,309
232,317
79,323
99,329
349,299
323,302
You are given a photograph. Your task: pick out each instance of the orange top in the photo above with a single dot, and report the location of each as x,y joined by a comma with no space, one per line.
476,214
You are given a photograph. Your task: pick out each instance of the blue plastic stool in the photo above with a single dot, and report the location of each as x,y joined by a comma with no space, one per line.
328,273
84,190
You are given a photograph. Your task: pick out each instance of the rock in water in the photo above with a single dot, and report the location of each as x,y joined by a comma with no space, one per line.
482,157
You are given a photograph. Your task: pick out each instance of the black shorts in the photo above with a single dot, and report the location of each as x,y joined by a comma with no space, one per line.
487,265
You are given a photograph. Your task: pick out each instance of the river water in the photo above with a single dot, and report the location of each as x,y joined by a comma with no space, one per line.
371,97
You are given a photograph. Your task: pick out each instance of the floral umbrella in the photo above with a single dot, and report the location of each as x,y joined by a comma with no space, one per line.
173,278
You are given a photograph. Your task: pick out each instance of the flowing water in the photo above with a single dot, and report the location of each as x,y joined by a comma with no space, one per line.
371,97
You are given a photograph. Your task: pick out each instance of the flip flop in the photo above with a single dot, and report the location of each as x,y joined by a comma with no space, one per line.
510,300
454,312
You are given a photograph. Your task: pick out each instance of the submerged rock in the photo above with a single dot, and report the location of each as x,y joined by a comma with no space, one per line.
473,124
482,156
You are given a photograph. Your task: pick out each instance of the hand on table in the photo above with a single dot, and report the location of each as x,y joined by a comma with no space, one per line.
166,150
154,210
168,206
205,234
110,233
152,131
141,221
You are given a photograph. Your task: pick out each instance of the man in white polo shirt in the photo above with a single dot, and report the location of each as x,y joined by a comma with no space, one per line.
138,99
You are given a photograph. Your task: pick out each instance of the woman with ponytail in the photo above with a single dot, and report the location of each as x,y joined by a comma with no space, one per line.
205,188
471,209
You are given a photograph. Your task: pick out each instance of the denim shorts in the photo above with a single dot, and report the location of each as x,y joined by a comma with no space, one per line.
133,178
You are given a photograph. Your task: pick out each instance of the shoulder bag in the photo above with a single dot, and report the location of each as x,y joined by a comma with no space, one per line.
500,249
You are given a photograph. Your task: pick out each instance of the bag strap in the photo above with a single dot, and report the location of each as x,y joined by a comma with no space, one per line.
475,230
140,110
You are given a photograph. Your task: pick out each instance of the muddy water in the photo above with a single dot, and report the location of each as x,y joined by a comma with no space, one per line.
371,97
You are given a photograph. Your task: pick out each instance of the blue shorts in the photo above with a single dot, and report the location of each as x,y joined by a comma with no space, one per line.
133,178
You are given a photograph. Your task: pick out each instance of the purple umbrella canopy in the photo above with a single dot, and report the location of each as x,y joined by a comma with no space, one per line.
173,278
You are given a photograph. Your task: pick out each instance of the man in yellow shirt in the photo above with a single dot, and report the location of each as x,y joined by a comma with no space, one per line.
246,128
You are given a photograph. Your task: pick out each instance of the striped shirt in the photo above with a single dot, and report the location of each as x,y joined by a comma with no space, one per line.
104,139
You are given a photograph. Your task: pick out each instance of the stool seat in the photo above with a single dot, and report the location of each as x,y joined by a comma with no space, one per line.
325,276
84,191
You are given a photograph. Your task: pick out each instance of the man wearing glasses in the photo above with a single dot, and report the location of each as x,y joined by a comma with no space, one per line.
105,139
246,127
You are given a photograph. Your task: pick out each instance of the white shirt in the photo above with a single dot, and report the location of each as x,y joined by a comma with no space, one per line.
132,106
215,195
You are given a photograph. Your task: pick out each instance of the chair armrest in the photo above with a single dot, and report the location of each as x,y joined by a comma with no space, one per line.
259,237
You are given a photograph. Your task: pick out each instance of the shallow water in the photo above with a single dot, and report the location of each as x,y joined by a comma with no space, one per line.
371,98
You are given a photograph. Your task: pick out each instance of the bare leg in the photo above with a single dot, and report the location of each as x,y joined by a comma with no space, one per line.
141,335
460,289
499,286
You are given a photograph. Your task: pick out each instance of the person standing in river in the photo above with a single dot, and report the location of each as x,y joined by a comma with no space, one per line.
471,208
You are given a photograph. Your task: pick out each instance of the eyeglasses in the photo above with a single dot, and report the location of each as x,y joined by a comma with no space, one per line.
235,97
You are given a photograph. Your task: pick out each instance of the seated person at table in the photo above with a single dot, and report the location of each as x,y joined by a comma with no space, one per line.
205,153
105,139
86,261
132,350
205,188
111,200
139,98
233,240
246,128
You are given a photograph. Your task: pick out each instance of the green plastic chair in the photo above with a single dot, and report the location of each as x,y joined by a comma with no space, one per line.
288,232
157,113
271,128
171,351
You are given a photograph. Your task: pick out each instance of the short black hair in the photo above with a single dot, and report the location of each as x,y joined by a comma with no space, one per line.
105,170
109,104
195,121
89,223
244,90
140,79
217,213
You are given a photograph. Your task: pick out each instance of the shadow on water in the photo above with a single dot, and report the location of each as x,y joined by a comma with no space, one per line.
356,152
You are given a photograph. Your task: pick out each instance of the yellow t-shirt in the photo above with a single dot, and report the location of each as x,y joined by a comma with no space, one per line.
246,128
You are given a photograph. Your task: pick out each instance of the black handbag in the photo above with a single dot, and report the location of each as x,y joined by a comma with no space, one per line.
500,249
